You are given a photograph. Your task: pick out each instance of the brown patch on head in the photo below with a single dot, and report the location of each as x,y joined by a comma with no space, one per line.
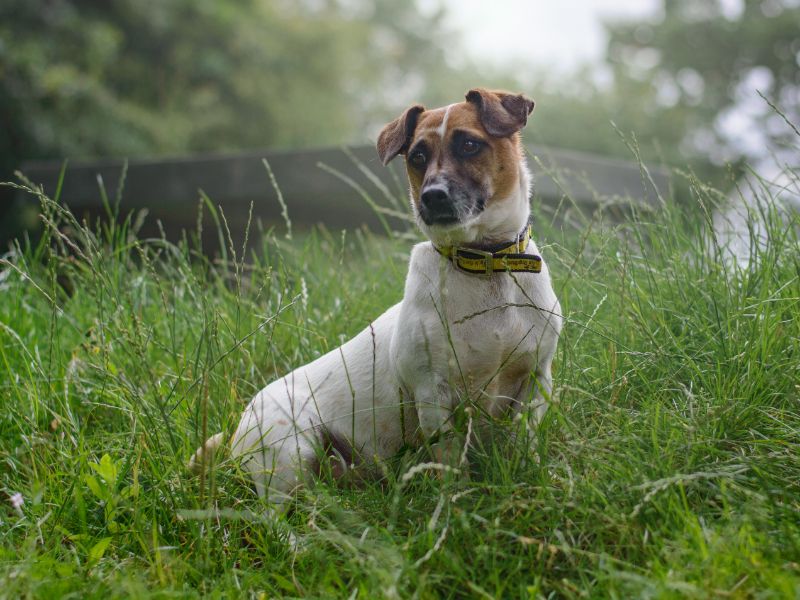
462,157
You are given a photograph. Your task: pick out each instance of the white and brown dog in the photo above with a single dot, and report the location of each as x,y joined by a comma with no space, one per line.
478,323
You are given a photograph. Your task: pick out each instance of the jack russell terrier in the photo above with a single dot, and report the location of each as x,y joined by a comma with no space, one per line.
477,326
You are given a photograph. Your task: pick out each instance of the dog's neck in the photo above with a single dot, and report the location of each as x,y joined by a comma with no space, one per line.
499,223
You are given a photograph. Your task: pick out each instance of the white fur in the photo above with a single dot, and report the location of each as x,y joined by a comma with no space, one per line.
442,129
424,353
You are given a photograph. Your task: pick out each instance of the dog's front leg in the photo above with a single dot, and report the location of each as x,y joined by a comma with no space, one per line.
421,351
435,405
531,406
542,384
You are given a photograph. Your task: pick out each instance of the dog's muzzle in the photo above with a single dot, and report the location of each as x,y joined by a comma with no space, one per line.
436,207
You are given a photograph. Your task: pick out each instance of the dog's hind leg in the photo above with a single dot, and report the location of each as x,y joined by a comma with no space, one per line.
277,465
203,454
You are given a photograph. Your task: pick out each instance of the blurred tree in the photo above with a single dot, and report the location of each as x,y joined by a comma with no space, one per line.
125,78
134,77
583,115
698,66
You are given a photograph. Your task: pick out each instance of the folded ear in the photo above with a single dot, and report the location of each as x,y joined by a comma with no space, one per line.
501,113
396,136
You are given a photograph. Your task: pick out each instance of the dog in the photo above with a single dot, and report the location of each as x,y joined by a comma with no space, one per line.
477,327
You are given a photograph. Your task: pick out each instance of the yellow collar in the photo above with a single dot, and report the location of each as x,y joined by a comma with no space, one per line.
506,257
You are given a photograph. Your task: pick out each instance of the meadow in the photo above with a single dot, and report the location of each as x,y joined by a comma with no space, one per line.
667,466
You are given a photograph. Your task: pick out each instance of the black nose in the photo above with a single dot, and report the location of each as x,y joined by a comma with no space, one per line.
436,206
436,200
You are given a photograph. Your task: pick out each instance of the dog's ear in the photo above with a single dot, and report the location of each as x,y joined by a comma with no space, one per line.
396,136
501,113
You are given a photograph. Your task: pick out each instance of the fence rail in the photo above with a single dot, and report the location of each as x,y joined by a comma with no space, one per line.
169,187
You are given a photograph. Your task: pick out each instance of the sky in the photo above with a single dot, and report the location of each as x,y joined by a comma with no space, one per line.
559,35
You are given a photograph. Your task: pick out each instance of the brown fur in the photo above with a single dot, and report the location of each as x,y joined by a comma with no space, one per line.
395,137
492,118
335,456
501,113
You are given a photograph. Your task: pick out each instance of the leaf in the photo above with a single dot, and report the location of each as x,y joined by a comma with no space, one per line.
95,487
64,569
130,491
107,469
98,550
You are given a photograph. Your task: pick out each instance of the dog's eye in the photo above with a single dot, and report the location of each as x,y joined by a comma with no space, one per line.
470,147
418,158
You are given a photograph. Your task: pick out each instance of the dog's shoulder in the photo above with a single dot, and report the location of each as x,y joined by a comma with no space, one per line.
423,266
422,253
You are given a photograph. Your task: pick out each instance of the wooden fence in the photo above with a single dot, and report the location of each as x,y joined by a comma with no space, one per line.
318,186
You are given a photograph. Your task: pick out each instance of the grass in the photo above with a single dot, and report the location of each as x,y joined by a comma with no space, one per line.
668,467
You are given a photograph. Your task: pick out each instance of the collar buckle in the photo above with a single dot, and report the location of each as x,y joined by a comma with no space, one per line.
488,257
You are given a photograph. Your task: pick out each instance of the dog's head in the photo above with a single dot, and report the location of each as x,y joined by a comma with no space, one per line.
465,165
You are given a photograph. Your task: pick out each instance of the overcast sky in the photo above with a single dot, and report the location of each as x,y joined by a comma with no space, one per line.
557,34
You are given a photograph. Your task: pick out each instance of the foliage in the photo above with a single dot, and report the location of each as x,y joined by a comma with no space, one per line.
697,68
667,466
134,78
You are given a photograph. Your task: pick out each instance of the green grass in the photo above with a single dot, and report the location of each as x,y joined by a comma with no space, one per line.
668,467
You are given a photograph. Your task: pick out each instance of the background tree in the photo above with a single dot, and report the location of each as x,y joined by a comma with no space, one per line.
136,77
128,78
699,65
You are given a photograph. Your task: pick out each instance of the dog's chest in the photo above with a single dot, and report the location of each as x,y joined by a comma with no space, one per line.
481,334
495,333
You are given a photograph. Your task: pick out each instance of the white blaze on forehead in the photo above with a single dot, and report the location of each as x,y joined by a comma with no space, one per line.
443,127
